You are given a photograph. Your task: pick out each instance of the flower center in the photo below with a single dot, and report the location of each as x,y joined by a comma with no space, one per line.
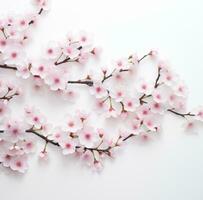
19,164
56,80
98,89
68,145
14,55
71,124
88,136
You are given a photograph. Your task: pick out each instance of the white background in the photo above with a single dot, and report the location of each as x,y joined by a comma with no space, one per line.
171,167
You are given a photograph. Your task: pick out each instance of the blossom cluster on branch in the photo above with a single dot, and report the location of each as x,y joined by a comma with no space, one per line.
119,92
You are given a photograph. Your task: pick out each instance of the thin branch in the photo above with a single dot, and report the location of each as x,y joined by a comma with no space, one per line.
42,137
8,67
157,79
143,97
142,58
128,137
89,83
110,75
39,13
181,114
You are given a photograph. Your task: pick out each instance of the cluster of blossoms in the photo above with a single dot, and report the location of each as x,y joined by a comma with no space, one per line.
142,105
52,69
14,34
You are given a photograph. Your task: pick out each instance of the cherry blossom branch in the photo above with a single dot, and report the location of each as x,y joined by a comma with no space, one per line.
143,113
110,75
122,70
99,150
45,138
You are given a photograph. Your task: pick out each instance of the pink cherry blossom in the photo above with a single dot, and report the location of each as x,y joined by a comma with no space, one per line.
143,111
84,39
168,77
28,145
68,145
6,159
34,117
71,51
190,126
156,108
180,89
151,122
130,104
19,164
23,71
40,69
52,51
73,123
57,134
14,55
177,102
14,131
160,94
118,94
98,90
144,87
134,126
70,94
22,23
87,137
199,113
144,136
56,80
118,77
100,106
121,64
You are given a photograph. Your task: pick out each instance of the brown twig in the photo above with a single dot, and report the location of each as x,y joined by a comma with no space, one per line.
66,60
181,114
157,79
143,57
8,67
39,13
89,83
